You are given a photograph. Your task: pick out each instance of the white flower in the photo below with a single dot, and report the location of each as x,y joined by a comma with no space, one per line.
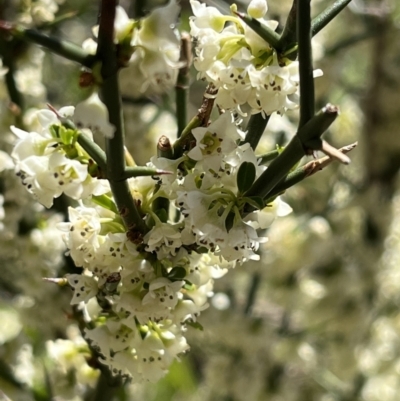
48,176
164,239
123,25
44,168
187,309
265,217
123,29
81,235
206,17
156,351
84,287
163,292
216,141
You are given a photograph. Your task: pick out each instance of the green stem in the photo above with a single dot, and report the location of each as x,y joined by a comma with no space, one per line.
182,143
308,137
56,21
93,150
292,179
63,48
251,296
289,35
255,128
164,148
182,84
305,171
270,36
106,388
267,157
323,19
6,50
307,96
139,171
199,120
106,52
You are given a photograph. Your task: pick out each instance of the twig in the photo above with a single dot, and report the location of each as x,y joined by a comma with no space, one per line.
140,171
199,120
255,128
251,295
93,150
310,168
182,84
270,36
323,19
289,34
106,52
267,157
307,96
307,138
63,48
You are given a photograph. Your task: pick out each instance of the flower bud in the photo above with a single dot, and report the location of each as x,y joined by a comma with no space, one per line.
257,8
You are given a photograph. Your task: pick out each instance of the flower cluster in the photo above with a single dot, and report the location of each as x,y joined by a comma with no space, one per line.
142,289
240,64
150,289
49,162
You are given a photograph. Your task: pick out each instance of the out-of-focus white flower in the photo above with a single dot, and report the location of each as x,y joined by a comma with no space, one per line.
92,113
11,325
154,64
24,370
39,11
69,355
220,301
3,70
29,77
6,161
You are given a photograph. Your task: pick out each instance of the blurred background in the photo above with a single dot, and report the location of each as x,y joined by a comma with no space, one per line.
317,319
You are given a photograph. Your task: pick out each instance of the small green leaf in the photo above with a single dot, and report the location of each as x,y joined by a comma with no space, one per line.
195,325
106,202
230,219
202,249
246,176
162,214
269,35
267,157
54,130
256,201
177,273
